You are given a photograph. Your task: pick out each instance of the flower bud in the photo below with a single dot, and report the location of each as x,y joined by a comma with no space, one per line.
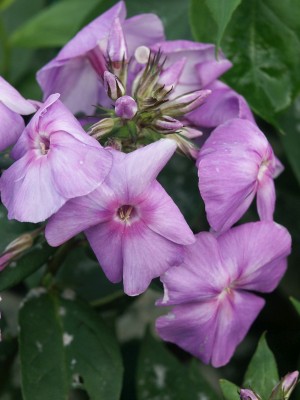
126,107
190,133
102,127
247,394
184,145
117,51
113,86
285,387
167,124
185,103
17,247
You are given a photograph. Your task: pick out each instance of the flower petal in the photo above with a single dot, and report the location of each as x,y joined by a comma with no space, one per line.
77,169
147,255
12,99
160,213
256,254
266,198
12,125
106,241
211,330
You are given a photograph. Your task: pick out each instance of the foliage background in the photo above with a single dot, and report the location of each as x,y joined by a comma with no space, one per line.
262,39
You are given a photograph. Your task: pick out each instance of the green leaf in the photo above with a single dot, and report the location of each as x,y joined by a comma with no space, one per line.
220,11
230,390
262,375
5,4
160,375
18,270
64,343
289,123
296,304
55,25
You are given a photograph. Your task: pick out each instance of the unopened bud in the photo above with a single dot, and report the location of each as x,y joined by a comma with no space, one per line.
102,127
167,124
190,133
247,394
113,86
126,107
17,247
185,103
185,146
285,387
117,51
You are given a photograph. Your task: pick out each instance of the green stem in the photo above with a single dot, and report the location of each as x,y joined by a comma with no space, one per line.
6,50
107,299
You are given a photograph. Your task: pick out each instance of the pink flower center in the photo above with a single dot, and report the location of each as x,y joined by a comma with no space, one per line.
126,213
44,143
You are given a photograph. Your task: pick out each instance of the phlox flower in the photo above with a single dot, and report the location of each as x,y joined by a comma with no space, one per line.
211,291
133,226
56,161
12,106
235,164
77,71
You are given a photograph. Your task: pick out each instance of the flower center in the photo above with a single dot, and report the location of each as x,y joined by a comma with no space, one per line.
126,213
264,166
44,143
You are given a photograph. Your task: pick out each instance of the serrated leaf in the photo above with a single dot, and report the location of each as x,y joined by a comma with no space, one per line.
71,334
160,375
229,390
55,25
18,270
221,12
296,304
262,375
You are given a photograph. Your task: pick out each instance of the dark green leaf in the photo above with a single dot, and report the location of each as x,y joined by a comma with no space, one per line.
160,375
289,122
18,270
262,375
229,390
296,304
220,11
55,25
5,4
64,343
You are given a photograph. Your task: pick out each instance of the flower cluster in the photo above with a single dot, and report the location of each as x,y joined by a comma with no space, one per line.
119,100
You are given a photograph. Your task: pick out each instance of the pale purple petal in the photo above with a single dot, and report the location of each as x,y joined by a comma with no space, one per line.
106,241
12,125
160,213
222,105
12,99
78,215
210,70
266,198
77,169
201,275
228,164
255,254
23,201
146,255
211,330
142,30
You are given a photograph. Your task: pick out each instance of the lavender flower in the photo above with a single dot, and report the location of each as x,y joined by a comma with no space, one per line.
12,106
210,292
56,161
133,226
235,164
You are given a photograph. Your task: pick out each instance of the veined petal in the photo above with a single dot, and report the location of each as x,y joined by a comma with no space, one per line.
28,191
213,329
106,241
201,275
228,164
78,215
12,99
160,213
255,253
77,169
12,125
266,198
146,255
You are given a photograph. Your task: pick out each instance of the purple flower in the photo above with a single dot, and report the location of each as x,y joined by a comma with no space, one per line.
56,161
12,106
75,71
210,292
235,164
133,226
247,394
285,387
